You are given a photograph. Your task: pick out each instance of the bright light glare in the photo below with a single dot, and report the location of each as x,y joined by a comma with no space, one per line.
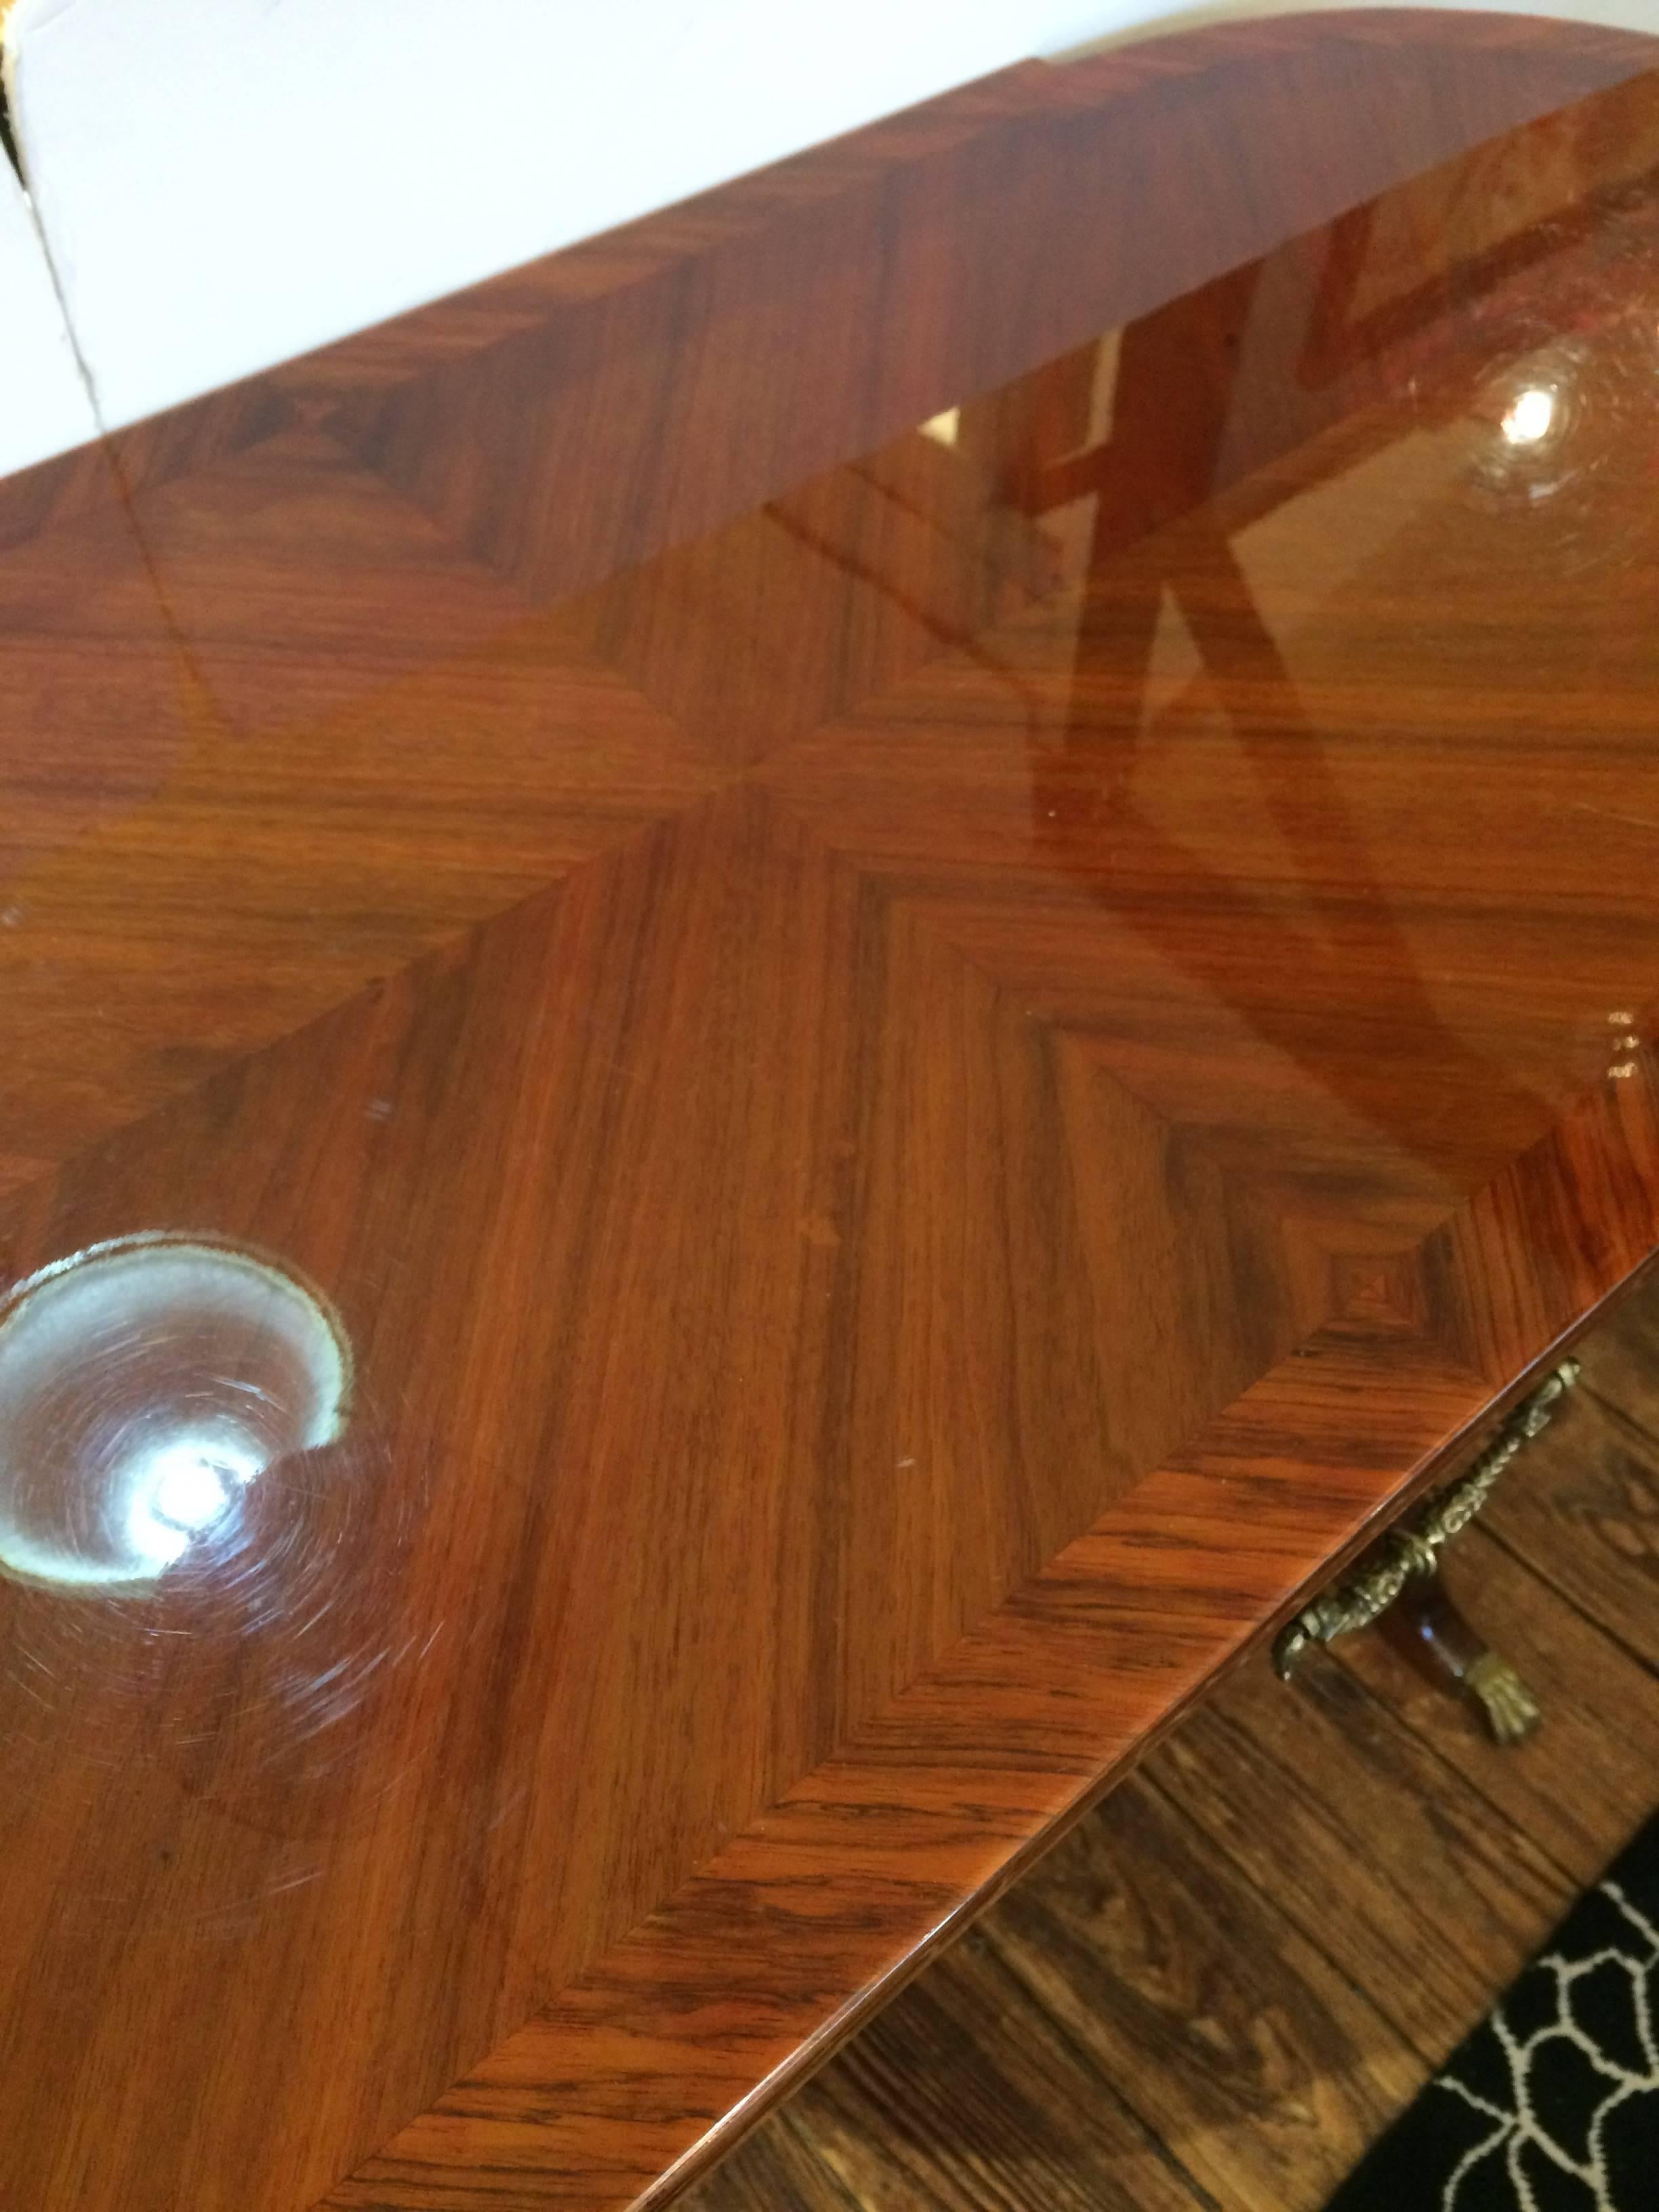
133,1335
944,429
1530,414
191,1495
178,1492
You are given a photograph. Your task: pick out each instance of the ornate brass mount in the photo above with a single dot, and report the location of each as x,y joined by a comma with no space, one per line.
1409,1556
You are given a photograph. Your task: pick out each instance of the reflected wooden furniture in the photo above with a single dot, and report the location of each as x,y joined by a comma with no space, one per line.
941,998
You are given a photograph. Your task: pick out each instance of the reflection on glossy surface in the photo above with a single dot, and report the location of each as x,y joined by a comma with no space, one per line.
200,1535
143,1385
1530,416
964,855
1563,448
228,1727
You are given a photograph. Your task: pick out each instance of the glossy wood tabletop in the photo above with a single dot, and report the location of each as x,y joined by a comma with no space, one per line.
782,1008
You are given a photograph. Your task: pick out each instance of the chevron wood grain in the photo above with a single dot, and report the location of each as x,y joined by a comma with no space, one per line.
926,897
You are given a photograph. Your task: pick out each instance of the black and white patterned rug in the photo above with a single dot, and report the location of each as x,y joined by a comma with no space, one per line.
1552,2104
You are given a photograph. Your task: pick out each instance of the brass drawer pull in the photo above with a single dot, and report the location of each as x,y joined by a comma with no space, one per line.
1413,1548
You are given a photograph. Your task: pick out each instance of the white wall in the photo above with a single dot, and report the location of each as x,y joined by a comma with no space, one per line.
44,407
227,183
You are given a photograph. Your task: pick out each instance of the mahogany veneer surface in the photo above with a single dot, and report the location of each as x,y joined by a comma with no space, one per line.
929,893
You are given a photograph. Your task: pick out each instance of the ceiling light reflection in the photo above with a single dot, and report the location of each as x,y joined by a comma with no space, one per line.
144,1385
1529,416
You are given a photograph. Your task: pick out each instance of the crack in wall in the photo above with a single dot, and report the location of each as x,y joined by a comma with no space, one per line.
103,436
8,134
12,141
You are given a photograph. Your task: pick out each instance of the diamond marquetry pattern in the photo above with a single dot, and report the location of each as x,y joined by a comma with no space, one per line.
897,960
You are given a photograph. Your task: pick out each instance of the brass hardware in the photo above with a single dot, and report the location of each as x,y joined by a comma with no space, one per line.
1511,1711
1413,1549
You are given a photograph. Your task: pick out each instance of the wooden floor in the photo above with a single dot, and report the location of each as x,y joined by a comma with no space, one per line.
1220,1987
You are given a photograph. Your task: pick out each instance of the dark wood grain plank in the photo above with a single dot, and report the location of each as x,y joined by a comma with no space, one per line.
1624,1363
1603,1716
1599,1483
951,2100
1588,1513
1428,1896
779,2168
1252,2031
